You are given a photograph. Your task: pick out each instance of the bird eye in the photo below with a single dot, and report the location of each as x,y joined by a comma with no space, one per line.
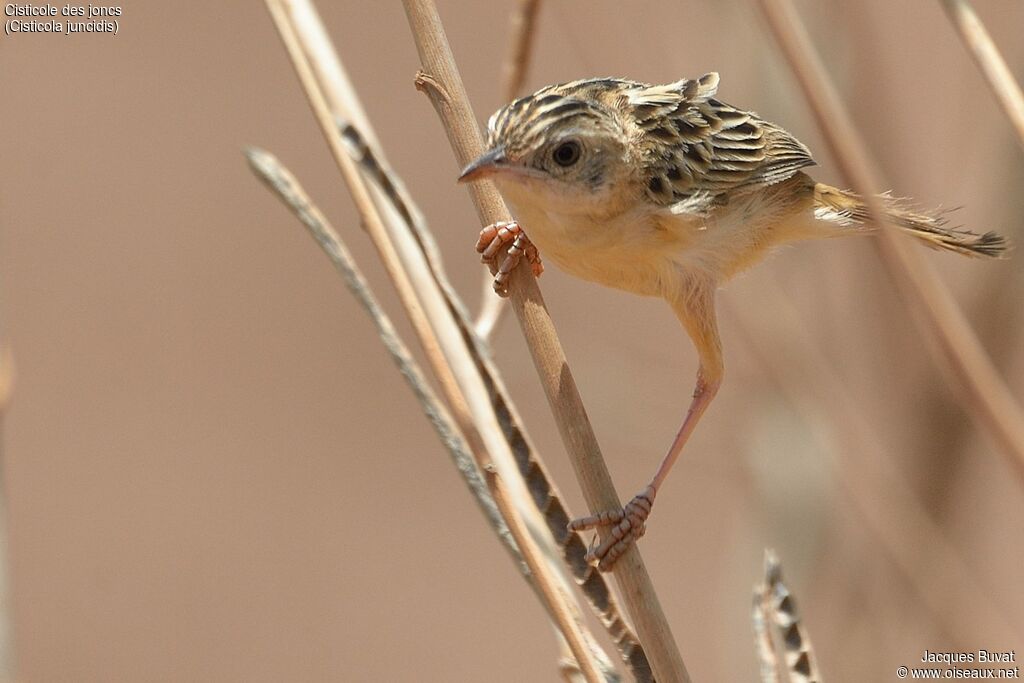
567,153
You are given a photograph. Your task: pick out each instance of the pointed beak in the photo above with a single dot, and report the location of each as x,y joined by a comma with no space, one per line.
487,164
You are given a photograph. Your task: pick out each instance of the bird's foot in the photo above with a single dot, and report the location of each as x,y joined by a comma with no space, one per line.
500,246
627,526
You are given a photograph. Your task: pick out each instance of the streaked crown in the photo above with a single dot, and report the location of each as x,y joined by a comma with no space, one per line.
529,122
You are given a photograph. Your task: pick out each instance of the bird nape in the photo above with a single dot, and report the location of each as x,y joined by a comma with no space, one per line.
664,190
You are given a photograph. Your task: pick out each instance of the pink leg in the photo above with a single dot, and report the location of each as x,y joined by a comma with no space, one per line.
500,246
628,525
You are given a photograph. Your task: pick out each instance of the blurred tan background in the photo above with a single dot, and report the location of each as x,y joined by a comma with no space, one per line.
214,473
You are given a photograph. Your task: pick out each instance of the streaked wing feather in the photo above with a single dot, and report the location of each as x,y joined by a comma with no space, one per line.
701,148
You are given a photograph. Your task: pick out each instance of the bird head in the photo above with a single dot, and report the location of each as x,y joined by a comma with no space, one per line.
560,148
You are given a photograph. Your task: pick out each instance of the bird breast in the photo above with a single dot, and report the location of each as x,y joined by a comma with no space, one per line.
651,251
633,250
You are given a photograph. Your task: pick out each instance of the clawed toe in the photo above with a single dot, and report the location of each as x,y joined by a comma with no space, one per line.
627,526
501,246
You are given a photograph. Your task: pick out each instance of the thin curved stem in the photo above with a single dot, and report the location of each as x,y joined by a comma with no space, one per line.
937,314
988,58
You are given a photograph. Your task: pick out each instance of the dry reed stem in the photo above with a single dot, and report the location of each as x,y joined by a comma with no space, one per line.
442,83
544,493
408,228
570,629
7,663
288,189
988,398
988,58
520,48
305,53
568,669
517,63
6,377
490,496
407,267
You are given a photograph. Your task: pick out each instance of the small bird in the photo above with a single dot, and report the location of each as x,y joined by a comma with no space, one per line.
664,190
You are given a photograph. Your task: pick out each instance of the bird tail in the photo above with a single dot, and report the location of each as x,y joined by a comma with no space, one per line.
847,209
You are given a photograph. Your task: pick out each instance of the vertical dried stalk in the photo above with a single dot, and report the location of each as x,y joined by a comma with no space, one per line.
520,48
441,81
443,341
517,64
989,60
6,377
988,398
7,663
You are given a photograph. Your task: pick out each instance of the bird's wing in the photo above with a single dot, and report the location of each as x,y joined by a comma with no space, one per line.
698,148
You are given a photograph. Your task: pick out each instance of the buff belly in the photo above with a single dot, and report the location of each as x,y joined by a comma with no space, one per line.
653,252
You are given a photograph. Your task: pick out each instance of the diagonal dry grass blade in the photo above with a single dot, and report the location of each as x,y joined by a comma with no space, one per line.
986,55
